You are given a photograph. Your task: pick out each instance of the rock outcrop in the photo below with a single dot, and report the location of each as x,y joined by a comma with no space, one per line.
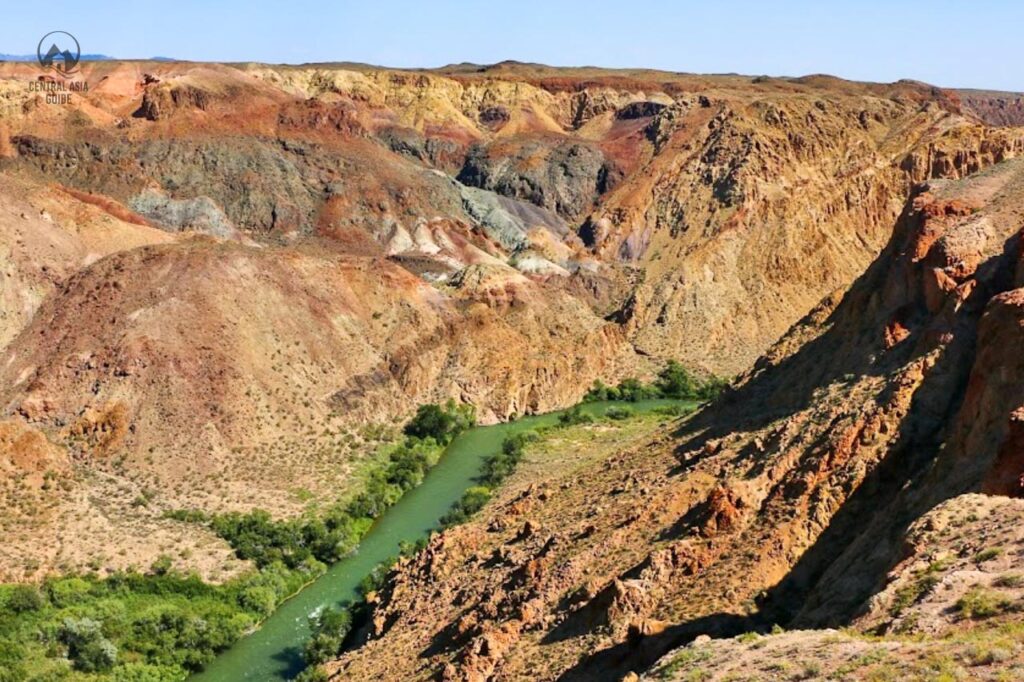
792,500
605,222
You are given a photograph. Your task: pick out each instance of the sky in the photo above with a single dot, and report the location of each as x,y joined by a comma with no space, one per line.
953,44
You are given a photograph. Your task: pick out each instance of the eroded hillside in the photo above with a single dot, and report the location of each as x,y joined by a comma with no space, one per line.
220,276
794,500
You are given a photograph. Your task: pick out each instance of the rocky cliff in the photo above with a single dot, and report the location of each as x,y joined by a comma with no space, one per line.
994,108
220,268
794,500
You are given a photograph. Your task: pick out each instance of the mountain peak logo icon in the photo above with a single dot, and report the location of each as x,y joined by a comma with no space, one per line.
63,61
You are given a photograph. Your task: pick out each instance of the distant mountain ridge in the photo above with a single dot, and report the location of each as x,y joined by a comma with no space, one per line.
83,58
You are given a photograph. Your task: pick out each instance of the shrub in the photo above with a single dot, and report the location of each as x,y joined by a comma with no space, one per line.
979,603
312,675
633,390
12,659
375,579
24,598
143,672
329,631
499,466
675,382
573,416
1009,580
913,592
440,423
187,515
258,599
712,388
407,548
472,501
88,649
162,565
431,421
600,392
64,592
619,413
987,554
673,410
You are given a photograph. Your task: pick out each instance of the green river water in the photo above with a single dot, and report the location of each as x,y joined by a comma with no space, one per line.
274,651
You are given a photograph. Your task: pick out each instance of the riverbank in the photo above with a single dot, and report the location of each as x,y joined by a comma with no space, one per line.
274,651
160,624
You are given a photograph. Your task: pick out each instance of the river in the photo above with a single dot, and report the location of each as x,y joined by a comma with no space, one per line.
273,652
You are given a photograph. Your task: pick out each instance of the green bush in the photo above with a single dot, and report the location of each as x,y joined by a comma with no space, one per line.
1009,580
258,599
979,603
88,649
162,565
440,423
329,631
312,675
675,382
64,592
499,466
12,661
633,390
712,388
988,554
375,579
573,416
472,501
431,421
187,515
600,392
619,413
25,598
674,410
144,672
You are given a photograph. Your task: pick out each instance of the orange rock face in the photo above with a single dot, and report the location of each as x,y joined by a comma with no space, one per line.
789,501
213,271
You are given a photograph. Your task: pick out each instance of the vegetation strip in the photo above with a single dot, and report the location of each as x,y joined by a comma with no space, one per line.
332,627
165,624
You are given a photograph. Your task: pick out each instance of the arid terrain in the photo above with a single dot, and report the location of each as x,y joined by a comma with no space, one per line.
224,287
802,499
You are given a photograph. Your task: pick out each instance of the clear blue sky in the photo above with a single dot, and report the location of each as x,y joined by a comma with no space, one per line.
954,44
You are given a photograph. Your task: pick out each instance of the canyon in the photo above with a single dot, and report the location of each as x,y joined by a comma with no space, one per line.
791,501
225,287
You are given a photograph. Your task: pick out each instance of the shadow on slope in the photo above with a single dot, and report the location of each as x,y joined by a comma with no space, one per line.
848,562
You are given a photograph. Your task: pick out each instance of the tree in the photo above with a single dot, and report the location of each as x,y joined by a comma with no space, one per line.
712,388
600,392
632,390
574,415
162,565
25,598
258,599
329,631
675,382
440,423
431,421
88,649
